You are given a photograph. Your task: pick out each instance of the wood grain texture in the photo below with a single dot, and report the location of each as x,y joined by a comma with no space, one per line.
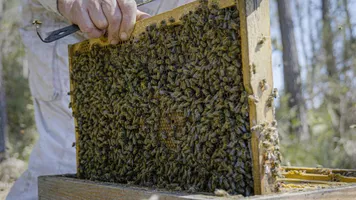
60,188
338,193
318,170
302,182
321,177
257,65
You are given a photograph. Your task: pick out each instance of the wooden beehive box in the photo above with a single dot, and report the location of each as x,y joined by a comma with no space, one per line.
256,71
299,183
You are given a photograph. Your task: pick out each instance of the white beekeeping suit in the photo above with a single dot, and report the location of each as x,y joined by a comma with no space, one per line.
49,84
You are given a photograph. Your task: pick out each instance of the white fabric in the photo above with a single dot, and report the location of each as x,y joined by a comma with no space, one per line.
49,84
50,5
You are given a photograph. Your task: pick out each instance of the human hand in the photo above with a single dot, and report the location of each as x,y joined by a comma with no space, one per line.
95,17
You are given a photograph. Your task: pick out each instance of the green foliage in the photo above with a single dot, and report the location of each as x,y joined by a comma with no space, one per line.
20,127
329,97
19,105
324,147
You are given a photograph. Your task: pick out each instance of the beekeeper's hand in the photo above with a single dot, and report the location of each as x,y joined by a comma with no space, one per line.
95,17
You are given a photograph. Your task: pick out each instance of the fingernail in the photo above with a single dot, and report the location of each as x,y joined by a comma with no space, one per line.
123,36
114,41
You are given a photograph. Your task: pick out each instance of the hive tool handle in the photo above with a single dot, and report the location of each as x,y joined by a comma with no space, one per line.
58,34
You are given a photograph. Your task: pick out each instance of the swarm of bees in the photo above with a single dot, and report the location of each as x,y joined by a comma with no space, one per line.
167,109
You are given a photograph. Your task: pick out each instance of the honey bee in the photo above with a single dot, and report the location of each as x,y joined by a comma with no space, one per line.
172,20
254,99
275,93
262,40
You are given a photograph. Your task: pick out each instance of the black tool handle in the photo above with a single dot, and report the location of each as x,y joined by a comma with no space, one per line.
61,33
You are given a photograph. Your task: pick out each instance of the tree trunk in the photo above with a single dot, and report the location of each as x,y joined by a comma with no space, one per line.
291,69
349,45
330,62
348,19
348,64
313,60
3,117
328,39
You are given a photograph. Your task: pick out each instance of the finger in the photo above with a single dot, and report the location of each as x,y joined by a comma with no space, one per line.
129,11
142,15
97,16
113,15
86,25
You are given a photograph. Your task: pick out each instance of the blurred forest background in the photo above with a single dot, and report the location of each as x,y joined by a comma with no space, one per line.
17,125
314,63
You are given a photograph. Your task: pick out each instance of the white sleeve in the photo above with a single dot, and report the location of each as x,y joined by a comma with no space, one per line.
50,5
159,6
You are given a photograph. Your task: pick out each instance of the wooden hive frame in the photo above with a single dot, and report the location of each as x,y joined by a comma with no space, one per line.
256,64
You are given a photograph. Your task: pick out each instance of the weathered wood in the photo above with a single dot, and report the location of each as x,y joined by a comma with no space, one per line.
344,193
320,177
320,174
257,65
310,182
319,170
60,187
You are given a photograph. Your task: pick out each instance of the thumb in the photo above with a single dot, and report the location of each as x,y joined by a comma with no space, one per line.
142,15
